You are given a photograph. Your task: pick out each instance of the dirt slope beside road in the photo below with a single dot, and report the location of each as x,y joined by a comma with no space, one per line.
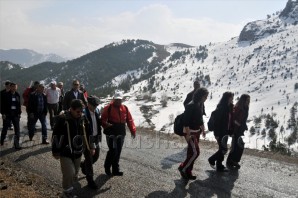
150,170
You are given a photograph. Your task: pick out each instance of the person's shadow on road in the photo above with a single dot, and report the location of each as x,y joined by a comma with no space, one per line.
218,184
169,161
100,181
179,190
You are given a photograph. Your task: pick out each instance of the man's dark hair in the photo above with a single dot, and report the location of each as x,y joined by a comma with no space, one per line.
199,94
7,82
12,84
76,104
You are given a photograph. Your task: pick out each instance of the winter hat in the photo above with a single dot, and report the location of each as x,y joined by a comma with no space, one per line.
93,100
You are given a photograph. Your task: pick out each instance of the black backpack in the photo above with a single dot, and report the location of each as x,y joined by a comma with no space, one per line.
212,120
178,125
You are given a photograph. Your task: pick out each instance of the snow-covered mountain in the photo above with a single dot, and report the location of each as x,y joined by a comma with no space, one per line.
264,64
27,58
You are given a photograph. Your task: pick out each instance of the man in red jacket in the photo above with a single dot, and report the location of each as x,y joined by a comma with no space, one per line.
114,117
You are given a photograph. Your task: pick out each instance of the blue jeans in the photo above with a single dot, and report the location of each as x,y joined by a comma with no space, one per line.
32,122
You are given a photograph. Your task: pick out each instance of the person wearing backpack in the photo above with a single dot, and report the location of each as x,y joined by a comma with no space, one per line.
193,127
69,141
94,136
240,117
114,117
223,126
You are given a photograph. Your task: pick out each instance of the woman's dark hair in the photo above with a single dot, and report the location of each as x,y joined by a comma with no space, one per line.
242,101
76,104
225,98
199,94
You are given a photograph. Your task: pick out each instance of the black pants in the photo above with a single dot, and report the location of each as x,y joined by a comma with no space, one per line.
15,120
89,161
53,111
237,149
115,144
222,150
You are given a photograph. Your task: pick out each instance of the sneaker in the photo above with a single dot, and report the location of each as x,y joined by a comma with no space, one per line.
211,163
182,173
92,185
233,165
45,141
236,164
118,173
191,177
220,168
83,168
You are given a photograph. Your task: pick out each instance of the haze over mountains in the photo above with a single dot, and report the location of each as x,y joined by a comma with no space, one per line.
27,58
262,61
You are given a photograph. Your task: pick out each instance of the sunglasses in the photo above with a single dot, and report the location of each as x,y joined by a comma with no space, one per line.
76,84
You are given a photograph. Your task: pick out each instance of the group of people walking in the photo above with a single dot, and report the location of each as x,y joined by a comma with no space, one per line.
229,120
77,122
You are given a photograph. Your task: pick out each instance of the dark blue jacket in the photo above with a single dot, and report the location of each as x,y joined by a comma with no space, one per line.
33,103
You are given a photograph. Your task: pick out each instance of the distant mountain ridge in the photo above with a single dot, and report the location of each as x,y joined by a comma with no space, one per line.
27,58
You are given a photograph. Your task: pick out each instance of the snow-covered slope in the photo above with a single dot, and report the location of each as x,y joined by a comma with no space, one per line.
266,69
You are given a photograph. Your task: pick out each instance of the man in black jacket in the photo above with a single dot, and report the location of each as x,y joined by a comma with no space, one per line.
11,112
196,85
72,94
68,143
37,110
3,96
93,115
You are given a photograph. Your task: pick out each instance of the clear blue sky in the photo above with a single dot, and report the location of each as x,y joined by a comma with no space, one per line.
73,28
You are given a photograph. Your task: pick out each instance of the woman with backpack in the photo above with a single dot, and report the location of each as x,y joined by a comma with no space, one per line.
240,117
193,126
223,126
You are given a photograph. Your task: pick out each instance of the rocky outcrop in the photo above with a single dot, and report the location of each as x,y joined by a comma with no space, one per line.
290,9
275,23
249,31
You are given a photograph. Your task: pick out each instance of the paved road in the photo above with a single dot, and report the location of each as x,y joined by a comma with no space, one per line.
150,170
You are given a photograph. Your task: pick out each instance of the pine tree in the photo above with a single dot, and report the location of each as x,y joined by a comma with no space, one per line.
252,130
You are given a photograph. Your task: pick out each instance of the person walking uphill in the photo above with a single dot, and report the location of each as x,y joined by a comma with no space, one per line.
72,94
37,110
68,143
11,112
223,127
53,94
114,117
94,136
193,127
188,99
240,117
